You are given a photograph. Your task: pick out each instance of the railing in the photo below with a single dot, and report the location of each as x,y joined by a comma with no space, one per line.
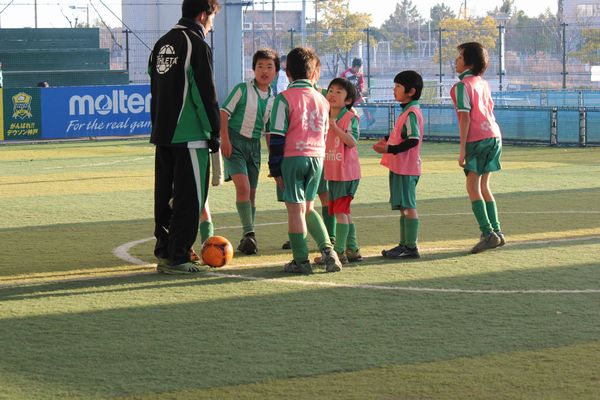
568,126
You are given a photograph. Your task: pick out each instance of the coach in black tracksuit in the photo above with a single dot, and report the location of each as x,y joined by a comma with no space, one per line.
185,126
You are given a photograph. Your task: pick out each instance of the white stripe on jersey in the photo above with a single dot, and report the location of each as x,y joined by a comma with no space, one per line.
250,112
230,107
466,101
280,117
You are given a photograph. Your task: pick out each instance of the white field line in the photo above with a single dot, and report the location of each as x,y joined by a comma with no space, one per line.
100,164
122,252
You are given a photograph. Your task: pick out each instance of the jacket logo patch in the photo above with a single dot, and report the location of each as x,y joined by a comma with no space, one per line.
166,59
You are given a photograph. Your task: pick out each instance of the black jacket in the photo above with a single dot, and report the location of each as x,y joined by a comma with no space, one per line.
184,104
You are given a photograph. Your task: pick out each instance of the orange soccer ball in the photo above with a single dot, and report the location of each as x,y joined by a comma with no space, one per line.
217,251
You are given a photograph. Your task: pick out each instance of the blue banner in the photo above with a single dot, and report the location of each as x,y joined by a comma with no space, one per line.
83,111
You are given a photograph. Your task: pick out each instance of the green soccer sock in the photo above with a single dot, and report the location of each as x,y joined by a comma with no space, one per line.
253,216
299,247
244,209
481,215
402,230
342,237
412,231
352,242
330,222
317,230
492,212
206,230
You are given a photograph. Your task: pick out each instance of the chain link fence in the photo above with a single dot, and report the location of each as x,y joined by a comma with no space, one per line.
545,57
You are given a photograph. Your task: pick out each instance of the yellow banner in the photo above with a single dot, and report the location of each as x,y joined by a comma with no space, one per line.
1,117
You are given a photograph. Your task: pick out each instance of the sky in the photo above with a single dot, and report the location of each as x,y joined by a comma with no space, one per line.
62,13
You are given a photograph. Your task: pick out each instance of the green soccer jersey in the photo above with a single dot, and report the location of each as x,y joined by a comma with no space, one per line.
279,115
411,129
353,128
246,106
463,102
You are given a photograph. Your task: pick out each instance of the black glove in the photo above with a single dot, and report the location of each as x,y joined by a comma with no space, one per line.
214,143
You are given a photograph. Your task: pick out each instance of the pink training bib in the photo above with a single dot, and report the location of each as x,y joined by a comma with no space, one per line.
308,119
483,122
407,162
341,162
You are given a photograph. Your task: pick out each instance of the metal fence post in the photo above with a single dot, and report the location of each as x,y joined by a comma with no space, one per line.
127,49
440,50
554,127
291,38
500,55
564,55
582,127
368,62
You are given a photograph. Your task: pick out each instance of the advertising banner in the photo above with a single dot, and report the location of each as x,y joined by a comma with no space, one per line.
89,111
22,116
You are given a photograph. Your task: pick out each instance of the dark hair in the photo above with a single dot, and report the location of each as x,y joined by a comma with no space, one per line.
410,80
348,87
301,63
266,54
357,62
476,55
193,8
43,84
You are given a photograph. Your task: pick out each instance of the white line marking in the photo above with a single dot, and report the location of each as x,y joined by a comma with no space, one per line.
122,252
100,164
404,288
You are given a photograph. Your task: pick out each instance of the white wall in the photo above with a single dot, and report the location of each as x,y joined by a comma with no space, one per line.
150,19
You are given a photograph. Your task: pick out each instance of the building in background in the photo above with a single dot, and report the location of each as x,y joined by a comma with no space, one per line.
582,11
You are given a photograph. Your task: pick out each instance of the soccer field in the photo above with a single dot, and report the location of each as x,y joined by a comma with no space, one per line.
83,315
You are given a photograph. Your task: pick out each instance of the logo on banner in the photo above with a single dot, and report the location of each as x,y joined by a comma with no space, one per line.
166,59
22,105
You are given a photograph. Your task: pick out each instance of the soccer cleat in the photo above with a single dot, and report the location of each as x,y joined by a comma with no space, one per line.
248,244
180,269
486,242
286,246
353,255
342,257
500,235
331,260
408,253
294,268
392,253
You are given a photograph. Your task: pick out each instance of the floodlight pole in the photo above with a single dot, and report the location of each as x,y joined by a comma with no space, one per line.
35,12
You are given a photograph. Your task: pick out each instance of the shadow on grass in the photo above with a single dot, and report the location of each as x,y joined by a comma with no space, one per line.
89,245
171,333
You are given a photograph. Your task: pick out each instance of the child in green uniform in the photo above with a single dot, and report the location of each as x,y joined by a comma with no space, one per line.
298,124
480,140
401,154
242,125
